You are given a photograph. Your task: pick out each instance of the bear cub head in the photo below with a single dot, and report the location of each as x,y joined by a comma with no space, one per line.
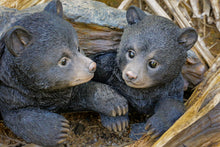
152,49
42,51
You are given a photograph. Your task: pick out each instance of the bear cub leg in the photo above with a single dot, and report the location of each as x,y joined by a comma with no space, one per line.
167,112
102,98
37,126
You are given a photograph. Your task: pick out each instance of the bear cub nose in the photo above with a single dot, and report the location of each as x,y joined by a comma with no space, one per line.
131,75
92,67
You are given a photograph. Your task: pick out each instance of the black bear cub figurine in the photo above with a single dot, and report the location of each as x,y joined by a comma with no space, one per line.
146,69
42,73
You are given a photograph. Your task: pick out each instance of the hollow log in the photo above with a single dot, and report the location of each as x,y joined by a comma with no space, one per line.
99,29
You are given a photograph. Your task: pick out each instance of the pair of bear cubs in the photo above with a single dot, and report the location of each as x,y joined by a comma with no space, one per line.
43,73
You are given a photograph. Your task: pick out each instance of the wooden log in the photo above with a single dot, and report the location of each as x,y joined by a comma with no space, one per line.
200,47
158,10
95,35
208,85
21,4
200,125
124,5
216,10
94,38
195,8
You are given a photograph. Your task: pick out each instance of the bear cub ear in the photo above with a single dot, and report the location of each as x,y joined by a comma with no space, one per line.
55,7
134,15
17,39
188,38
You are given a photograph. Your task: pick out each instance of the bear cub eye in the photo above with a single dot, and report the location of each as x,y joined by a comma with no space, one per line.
63,61
153,64
131,54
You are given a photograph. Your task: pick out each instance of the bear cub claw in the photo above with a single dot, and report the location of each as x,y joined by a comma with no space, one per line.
115,124
155,127
65,128
118,126
152,131
119,110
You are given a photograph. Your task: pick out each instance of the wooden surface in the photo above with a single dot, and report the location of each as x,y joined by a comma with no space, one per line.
124,5
94,38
